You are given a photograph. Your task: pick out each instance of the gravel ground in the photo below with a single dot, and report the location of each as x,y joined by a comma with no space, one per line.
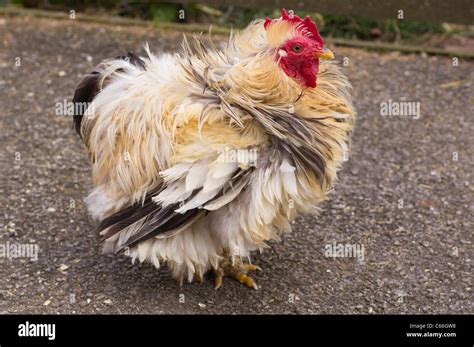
402,195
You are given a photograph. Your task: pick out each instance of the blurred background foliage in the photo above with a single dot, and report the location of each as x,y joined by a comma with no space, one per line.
347,27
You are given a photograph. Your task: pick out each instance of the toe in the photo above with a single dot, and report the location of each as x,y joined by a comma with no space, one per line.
251,267
219,273
243,278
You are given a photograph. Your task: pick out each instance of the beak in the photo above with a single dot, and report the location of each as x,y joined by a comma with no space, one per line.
324,54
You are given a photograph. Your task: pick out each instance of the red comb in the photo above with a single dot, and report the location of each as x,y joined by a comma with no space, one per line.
306,24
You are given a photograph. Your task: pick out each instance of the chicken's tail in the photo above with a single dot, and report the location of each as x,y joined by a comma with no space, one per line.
92,83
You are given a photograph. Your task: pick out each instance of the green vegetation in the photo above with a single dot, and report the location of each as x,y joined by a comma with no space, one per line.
344,27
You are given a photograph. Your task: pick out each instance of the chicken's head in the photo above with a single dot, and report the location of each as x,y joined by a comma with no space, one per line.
298,46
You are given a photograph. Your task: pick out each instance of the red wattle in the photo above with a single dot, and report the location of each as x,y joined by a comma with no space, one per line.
304,72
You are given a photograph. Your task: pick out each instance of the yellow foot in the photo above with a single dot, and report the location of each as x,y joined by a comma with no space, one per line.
238,271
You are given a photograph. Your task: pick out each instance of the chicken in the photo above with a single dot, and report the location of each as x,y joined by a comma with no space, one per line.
201,157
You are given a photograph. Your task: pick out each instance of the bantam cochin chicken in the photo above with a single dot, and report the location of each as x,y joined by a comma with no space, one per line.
201,157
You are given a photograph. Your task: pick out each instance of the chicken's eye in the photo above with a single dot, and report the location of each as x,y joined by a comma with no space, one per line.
297,48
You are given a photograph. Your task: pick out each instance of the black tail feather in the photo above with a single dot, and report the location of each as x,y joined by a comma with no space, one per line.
89,86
